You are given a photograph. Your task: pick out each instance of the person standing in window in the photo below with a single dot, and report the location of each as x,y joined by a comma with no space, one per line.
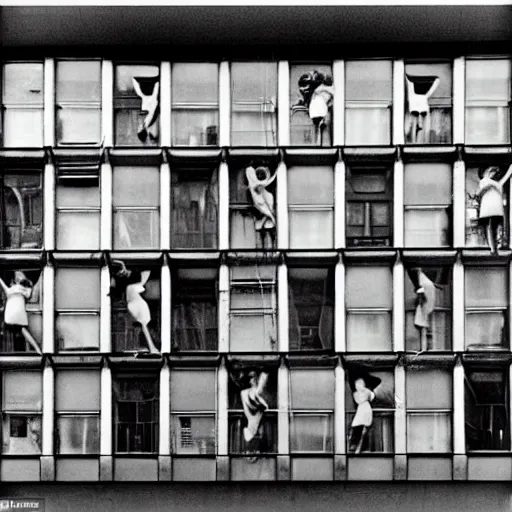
132,284
147,89
491,211
15,314
317,96
259,178
419,91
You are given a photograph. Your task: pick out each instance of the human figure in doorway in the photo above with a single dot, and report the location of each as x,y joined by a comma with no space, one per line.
419,91
147,89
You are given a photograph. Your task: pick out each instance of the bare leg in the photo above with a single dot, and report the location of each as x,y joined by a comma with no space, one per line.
423,339
149,340
31,340
361,439
491,238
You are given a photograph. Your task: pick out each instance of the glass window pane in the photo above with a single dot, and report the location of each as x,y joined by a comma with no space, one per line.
77,390
486,330
78,81
136,186
487,79
266,441
310,433
21,435
438,335
85,197
427,228
311,308
429,432
77,332
311,229
430,389
23,128
369,287
487,125
369,332
136,229
368,80
193,434
194,210
77,288
22,391
252,297
78,435
22,211
195,100
78,230
428,184
475,232
193,390
254,103
312,389
310,185
253,333
78,126
358,119
23,83
485,287
379,438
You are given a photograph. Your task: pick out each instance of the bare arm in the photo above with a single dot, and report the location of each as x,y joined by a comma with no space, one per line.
433,88
507,176
4,286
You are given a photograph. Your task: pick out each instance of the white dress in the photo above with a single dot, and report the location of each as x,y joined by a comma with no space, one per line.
364,413
491,201
136,305
15,312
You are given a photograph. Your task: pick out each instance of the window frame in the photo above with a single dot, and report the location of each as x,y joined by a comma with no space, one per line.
77,312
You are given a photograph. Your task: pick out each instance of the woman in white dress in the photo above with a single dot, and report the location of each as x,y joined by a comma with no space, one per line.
132,283
491,211
15,313
419,91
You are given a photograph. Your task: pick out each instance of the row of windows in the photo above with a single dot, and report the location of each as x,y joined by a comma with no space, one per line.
196,92
310,410
249,312
428,212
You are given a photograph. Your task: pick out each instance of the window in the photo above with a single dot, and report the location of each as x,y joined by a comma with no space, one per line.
22,100
14,336
488,101
369,303
21,412
136,202
311,308
369,206
78,102
194,209
476,229
21,210
128,333
253,313
194,314
193,407
311,207
428,106
311,411
368,99
370,410
195,104
311,99
78,209
487,410
253,430
252,206
137,105
77,407
429,406
136,414
77,303
486,293
428,205
254,104
428,309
